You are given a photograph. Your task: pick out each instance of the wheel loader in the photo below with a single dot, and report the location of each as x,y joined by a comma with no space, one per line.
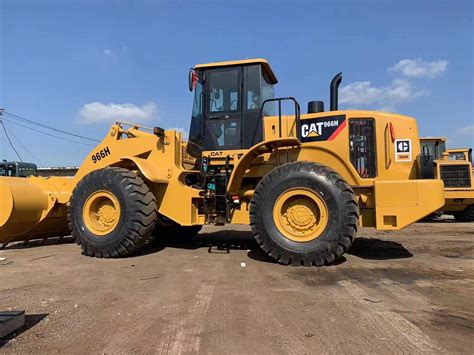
454,167
304,183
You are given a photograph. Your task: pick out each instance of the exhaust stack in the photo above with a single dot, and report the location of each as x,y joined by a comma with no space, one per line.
334,91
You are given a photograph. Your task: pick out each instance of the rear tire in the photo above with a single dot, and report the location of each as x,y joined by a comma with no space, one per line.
312,233
465,216
112,213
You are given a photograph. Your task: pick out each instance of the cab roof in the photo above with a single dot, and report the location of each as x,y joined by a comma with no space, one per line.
442,139
263,62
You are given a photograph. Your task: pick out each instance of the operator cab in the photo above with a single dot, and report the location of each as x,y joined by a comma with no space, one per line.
228,98
433,146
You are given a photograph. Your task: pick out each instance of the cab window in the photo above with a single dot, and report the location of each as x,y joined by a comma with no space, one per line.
223,90
456,156
268,93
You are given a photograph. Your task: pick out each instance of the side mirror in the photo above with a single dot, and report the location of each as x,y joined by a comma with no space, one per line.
191,79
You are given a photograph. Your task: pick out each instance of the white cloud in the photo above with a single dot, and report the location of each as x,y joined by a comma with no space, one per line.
363,94
98,112
418,68
108,52
468,130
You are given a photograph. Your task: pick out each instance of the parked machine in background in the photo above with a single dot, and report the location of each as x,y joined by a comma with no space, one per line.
18,169
460,154
454,167
304,182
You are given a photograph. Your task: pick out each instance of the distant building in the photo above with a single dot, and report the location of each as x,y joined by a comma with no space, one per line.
58,171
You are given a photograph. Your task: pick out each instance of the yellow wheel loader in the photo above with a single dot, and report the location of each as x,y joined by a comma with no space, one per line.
304,182
454,167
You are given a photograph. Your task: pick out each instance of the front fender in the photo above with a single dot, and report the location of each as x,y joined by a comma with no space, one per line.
149,170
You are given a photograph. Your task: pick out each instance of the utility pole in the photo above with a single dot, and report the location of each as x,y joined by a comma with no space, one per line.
8,137
1,113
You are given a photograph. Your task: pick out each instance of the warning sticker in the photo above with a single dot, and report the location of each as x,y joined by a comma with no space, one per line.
403,149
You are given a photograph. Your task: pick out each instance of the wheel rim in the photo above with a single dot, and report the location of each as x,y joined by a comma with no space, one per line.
101,212
300,214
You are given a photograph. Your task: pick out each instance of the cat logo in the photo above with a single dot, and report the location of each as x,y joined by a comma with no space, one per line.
312,130
403,150
322,129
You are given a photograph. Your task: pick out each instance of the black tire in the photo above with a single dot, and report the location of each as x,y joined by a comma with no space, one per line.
432,217
138,212
167,229
340,201
465,216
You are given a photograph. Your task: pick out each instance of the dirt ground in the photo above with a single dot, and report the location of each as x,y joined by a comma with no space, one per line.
407,291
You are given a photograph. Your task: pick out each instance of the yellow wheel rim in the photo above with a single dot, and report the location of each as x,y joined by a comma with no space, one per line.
300,214
101,212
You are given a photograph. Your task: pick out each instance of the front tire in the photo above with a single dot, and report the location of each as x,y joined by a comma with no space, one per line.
304,213
112,213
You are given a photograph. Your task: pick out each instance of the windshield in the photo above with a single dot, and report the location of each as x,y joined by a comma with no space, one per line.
457,156
195,134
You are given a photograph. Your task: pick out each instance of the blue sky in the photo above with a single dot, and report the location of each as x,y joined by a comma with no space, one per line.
78,64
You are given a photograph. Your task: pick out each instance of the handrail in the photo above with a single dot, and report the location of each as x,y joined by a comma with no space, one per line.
388,160
280,99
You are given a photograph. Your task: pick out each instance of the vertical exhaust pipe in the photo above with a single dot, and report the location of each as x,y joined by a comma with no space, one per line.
334,100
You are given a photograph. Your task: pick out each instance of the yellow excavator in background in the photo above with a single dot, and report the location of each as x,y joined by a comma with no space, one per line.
304,182
454,167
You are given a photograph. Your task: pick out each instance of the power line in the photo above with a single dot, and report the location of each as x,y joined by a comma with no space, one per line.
9,140
48,134
20,143
16,117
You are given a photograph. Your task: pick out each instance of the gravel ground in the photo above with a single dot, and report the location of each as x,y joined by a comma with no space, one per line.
408,291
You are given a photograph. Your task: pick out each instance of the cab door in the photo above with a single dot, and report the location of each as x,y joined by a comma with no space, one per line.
222,129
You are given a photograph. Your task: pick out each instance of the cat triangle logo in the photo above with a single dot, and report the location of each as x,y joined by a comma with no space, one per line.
313,133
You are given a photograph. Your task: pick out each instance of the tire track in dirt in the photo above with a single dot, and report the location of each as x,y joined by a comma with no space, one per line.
128,335
293,332
183,335
404,298
390,323
366,334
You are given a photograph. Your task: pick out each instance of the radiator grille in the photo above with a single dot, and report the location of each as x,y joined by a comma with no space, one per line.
456,175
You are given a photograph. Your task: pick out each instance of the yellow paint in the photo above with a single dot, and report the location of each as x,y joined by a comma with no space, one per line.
399,203
263,62
300,214
34,207
101,213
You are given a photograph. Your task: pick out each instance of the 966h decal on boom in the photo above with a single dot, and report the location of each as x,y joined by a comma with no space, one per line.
322,129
